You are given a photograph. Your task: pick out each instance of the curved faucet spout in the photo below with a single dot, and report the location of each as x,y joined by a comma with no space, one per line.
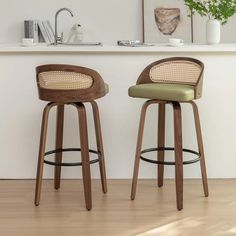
58,39
64,9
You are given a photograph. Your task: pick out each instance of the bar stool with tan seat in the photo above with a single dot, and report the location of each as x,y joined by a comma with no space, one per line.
70,85
170,81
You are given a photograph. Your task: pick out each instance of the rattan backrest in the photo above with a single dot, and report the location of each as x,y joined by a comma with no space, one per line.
68,83
64,80
186,72
178,70
175,70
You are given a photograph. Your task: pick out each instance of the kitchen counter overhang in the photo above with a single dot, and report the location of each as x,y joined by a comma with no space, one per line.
219,48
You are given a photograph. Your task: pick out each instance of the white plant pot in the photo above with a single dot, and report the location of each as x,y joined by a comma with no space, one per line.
213,30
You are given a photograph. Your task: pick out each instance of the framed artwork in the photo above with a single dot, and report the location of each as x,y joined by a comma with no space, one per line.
164,19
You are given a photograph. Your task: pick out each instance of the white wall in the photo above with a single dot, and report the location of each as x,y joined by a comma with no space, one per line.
102,20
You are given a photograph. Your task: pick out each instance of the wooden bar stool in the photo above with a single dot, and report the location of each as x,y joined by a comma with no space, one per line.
70,85
170,81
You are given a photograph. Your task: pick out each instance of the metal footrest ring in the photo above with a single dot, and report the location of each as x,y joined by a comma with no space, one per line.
169,162
72,163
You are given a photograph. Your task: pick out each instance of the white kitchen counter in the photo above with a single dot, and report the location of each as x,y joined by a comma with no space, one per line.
220,48
21,110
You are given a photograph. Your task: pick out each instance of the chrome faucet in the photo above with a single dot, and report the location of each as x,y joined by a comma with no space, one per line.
58,39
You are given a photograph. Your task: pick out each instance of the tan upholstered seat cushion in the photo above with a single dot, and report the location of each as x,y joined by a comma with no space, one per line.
166,92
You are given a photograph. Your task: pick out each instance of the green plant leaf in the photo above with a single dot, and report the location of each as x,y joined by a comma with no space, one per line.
220,10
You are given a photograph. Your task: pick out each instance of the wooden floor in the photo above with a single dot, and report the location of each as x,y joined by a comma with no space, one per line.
153,212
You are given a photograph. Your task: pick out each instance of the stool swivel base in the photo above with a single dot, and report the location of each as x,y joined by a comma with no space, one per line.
85,160
178,149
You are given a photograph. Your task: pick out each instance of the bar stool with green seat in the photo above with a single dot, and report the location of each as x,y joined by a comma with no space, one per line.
63,85
170,81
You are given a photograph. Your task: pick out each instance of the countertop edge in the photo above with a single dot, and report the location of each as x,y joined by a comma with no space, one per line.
162,48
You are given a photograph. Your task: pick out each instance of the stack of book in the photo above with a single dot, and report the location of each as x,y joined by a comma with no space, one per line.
40,31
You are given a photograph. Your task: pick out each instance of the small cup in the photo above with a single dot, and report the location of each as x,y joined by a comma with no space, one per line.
174,41
27,41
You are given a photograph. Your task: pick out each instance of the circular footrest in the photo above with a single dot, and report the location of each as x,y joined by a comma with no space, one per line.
72,163
169,162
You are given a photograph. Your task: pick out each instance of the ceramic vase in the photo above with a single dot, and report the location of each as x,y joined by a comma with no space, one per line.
213,30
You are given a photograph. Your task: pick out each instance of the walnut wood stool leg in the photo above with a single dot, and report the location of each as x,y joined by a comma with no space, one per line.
201,149
161,142
138,150
85,155
178,155
42,145
98,131
59,145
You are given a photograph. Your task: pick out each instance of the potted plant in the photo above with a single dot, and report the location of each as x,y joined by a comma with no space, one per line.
218,13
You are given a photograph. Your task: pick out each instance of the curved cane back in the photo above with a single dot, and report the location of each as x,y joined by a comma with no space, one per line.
68,83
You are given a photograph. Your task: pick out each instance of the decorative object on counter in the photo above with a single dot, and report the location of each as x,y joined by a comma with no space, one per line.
27,42
213,31
163,19
174,81
63,85
176,42
218,13
75,35
133,43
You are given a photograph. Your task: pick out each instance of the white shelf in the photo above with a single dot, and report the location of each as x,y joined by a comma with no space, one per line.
220,48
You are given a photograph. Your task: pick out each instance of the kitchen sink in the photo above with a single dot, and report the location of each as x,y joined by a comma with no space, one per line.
81,44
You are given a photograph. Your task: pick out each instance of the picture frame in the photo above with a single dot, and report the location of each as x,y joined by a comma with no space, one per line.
163,19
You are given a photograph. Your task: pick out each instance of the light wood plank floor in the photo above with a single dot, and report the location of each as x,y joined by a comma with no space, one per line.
153,212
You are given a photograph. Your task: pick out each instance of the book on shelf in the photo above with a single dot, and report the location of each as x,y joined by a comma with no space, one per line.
31,30
40,31
43,32
49,31
50,27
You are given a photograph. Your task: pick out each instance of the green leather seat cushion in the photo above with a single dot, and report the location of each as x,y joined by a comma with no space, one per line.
166,92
